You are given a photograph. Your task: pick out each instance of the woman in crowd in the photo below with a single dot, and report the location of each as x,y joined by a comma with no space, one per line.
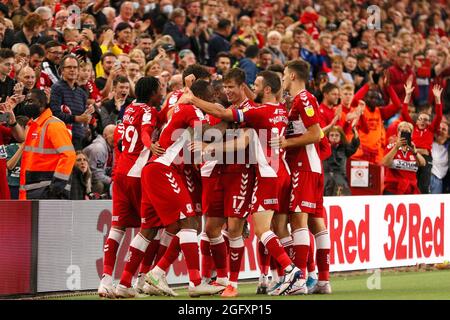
81,187
336,182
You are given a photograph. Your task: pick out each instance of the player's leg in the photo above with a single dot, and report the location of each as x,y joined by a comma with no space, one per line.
300,236
166,238
311,265
206,257
264,265
135,254
262,222
173,250
173,204
123,216
156,277
151,252
189,247
305,199
146,265
218,247
280,228
318,228
212,207
106,288
237,247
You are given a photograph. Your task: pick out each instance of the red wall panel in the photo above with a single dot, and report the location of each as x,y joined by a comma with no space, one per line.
15,247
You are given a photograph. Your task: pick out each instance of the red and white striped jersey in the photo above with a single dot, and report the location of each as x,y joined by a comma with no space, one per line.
303,114
139,121
170,102
173,138
268,120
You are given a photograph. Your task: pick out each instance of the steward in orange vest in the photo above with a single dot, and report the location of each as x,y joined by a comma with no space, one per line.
48,156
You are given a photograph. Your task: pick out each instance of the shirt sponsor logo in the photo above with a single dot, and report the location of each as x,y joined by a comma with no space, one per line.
404,165
308,204
271,201
115,218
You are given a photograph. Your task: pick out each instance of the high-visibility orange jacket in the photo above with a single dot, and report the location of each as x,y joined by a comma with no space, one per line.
47,160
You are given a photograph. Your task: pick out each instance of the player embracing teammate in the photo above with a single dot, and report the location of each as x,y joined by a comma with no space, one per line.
286,151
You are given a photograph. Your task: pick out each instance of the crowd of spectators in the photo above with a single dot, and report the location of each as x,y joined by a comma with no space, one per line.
371,70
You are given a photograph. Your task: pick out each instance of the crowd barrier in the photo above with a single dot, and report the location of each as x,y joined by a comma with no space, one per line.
48,246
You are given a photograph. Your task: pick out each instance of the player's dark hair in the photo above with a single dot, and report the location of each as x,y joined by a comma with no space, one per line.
328,88
300,68
199,71
145,88
203,90
271,79
276,68
236,74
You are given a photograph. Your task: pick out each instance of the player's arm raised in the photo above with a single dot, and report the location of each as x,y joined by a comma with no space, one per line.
213,109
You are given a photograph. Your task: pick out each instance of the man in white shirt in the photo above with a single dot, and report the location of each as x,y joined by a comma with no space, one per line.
439,152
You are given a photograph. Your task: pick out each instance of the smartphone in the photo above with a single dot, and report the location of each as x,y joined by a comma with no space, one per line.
407,136
117,64
4,117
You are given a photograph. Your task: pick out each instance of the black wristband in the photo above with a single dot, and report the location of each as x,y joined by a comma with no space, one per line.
12,125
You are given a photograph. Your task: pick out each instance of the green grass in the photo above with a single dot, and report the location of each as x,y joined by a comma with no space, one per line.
425,285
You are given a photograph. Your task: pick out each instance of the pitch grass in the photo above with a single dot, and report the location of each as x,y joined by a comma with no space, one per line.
425,285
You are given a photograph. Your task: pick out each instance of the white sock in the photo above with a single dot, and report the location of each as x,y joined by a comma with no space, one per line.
312,274
274,273
107,279
158,271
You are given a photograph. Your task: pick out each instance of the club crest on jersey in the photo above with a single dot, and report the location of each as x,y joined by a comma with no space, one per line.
309,111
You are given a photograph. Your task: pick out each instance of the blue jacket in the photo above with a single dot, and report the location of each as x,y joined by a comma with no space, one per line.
251,70
182,41
217,43
75,98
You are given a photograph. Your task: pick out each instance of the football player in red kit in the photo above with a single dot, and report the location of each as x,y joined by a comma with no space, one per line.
303,156
139,121
191,176
228,187
265,120
166,200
